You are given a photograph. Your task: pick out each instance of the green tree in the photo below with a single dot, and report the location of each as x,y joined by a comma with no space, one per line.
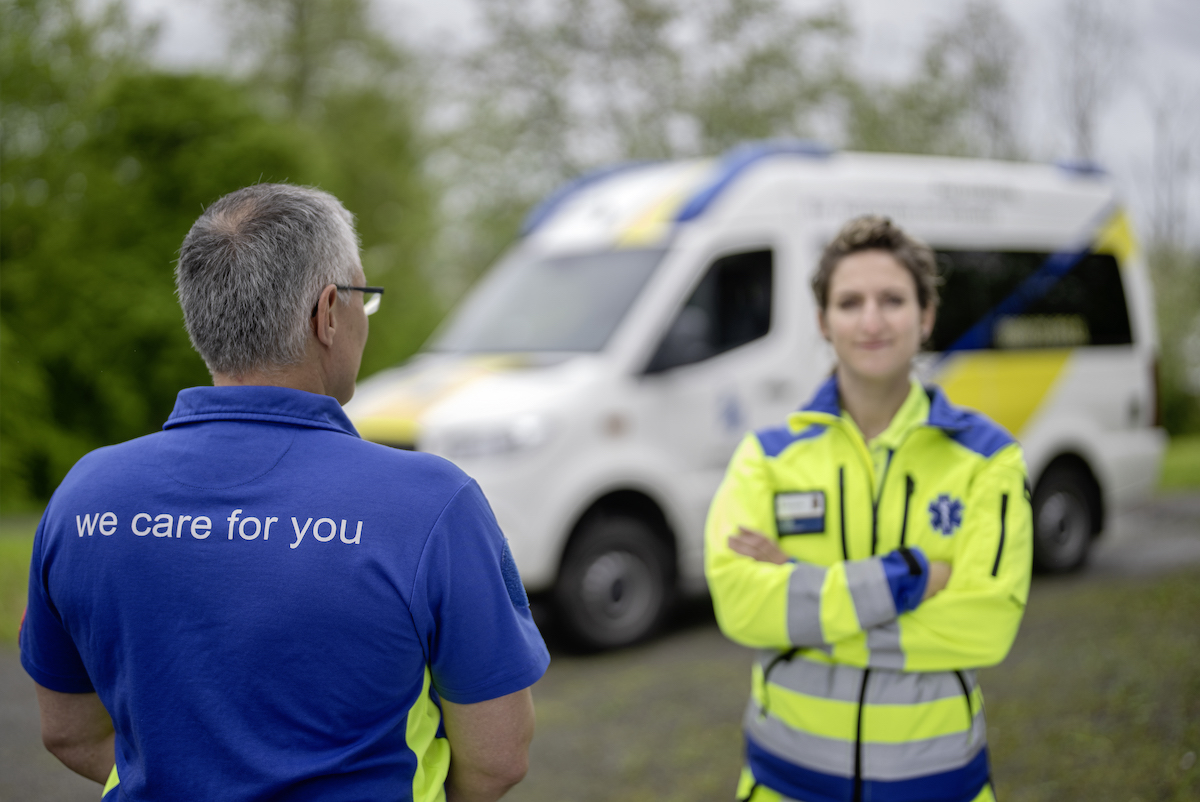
322,67
962,100
553,90
112,164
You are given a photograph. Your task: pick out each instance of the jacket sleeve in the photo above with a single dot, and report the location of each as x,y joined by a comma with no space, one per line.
764,605
973,622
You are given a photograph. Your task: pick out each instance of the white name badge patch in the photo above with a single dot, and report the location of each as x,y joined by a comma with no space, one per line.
800,513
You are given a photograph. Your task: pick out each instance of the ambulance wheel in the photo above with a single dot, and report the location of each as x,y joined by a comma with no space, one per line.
614,587
1063,519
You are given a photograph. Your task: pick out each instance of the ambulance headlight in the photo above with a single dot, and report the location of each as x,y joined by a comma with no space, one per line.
522,433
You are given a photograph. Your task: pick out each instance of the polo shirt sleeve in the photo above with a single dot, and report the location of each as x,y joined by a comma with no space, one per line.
48,653
470,607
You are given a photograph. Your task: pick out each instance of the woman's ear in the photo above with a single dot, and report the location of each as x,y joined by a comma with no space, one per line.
928,318
821,324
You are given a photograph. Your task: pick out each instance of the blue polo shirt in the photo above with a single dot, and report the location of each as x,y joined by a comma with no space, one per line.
270,607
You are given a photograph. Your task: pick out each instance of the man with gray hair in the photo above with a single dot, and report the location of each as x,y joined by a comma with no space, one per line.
255,603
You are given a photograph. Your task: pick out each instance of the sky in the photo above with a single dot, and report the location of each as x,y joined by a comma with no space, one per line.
1165,57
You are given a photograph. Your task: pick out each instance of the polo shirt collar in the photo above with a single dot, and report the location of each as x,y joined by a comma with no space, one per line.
262,404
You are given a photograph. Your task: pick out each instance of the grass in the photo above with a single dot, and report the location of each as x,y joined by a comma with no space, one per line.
16,546
1100,697
1099,701
1181,465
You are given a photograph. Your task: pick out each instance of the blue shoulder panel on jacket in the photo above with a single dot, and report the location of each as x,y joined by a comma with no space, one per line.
966,427
775,439
983,437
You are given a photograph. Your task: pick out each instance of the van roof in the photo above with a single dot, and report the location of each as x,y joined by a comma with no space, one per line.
643,204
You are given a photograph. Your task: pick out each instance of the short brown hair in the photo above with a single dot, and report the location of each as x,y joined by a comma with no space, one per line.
876,233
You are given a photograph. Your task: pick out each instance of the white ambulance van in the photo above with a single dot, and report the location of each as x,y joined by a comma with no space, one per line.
596,381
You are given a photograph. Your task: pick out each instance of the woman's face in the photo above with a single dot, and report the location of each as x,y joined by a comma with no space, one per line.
873,319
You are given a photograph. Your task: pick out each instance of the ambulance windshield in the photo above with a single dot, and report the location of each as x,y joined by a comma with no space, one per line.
535,302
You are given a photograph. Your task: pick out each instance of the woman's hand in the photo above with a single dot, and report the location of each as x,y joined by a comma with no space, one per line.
749,543
939,575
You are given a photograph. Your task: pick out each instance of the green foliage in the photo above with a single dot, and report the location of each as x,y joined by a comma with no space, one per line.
1181,464
1176,276
960,102
554,90
359,96
107,163
377,172
91,322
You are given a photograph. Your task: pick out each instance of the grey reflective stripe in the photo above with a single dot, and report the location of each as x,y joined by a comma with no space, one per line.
827,755
897,688
824,681
883,641
920,758
804,605
869,588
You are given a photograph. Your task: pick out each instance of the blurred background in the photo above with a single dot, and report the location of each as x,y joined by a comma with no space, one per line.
440,125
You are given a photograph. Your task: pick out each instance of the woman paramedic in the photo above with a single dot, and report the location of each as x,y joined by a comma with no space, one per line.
876,551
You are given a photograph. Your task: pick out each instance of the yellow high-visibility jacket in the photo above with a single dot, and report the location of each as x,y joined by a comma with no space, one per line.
861,691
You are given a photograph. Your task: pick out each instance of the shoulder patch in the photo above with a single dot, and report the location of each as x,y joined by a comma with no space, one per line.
775,439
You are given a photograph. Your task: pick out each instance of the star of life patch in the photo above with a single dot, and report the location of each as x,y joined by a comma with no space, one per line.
945,514
801,513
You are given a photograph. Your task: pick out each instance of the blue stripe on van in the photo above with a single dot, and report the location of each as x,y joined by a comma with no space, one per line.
1031,290
736,161
540,213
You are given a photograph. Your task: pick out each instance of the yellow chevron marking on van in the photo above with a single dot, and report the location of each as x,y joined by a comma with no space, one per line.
654,223
1117,238
397,420
1007,386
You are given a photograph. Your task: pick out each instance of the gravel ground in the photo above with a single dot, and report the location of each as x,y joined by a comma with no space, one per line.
658,721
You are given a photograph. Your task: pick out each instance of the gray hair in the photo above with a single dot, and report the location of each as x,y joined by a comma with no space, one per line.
251,269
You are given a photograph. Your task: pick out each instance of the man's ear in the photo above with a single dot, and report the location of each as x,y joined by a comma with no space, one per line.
324,323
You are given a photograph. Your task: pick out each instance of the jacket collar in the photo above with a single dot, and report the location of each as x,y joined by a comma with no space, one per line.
261,404
827,402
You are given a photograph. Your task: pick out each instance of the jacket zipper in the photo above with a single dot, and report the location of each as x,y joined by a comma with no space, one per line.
909,486
875,505
967,698
1003,517
782,657
862,698
842,509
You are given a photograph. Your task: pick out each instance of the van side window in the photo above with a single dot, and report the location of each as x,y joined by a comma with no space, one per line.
1084,307
730,307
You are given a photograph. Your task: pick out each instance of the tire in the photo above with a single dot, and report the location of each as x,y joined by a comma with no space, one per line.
614,587
1063,520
